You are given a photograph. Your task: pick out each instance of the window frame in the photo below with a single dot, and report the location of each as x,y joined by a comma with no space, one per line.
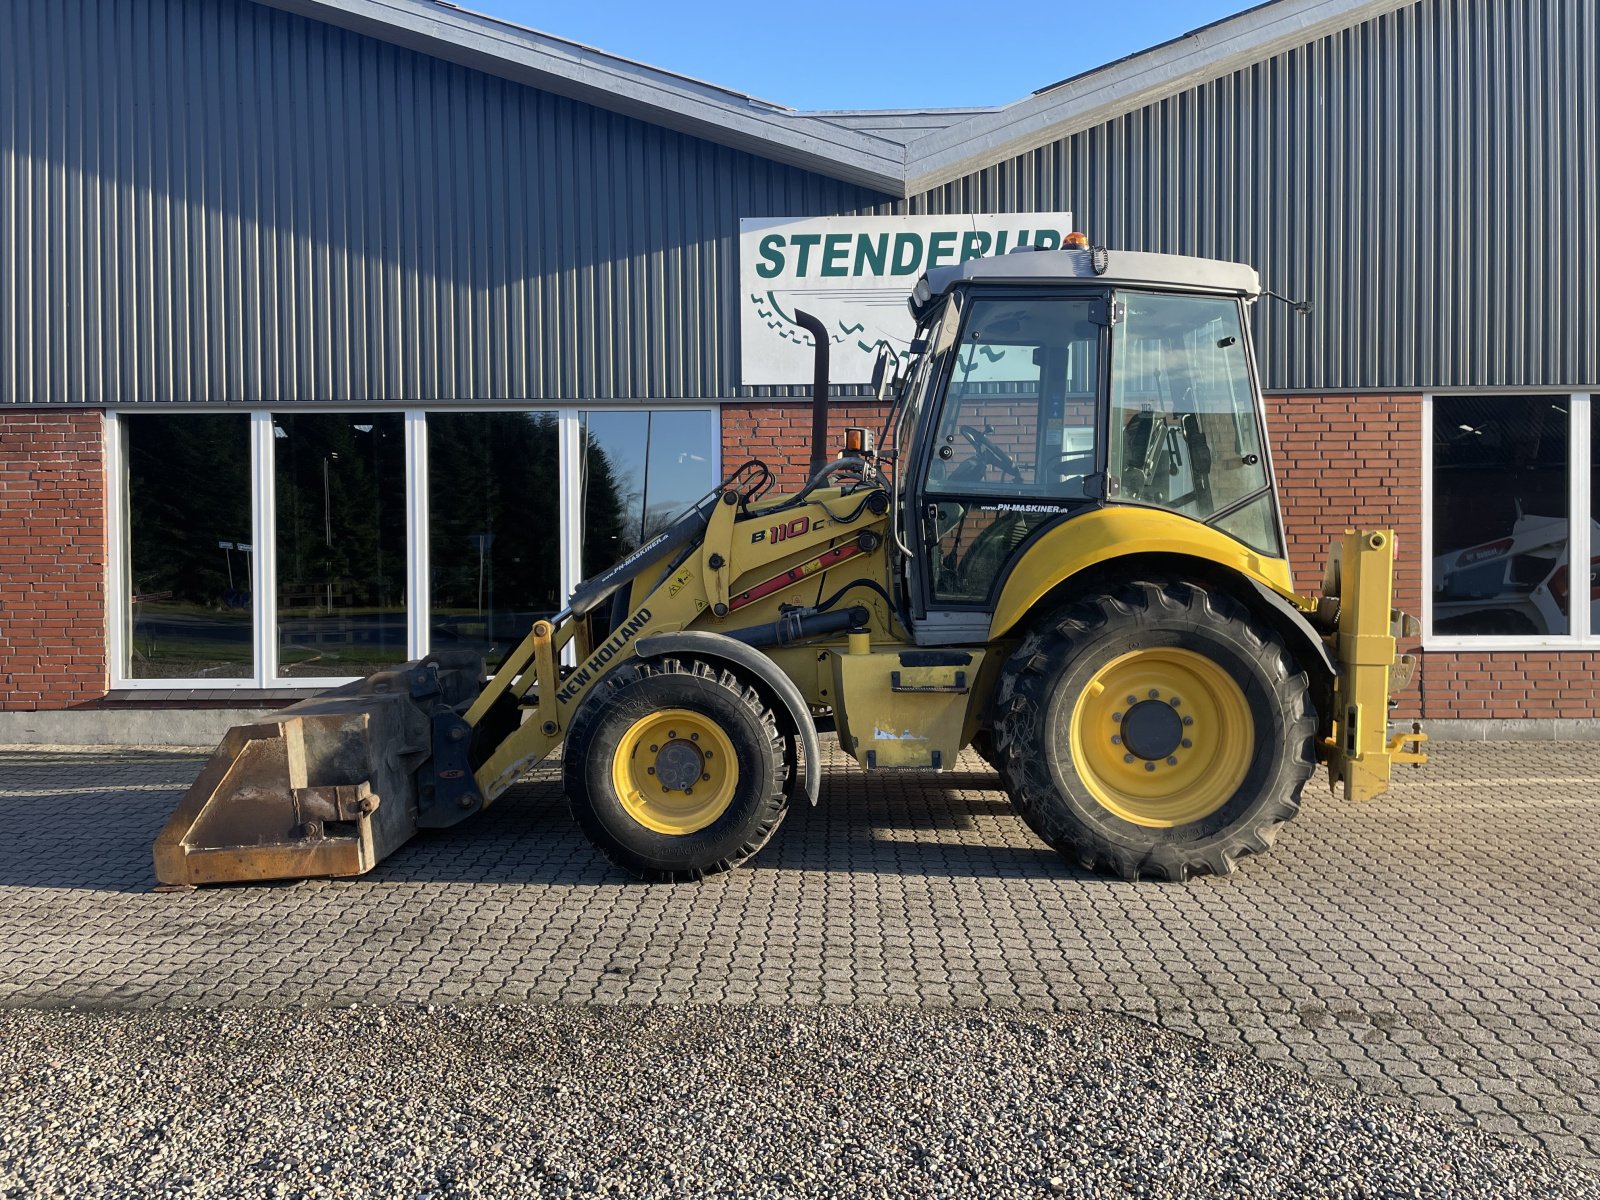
1580,517
263,525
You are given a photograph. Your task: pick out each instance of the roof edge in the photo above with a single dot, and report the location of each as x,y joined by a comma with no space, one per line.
1131,83
620,85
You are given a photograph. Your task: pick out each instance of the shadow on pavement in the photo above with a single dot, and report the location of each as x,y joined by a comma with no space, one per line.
94,829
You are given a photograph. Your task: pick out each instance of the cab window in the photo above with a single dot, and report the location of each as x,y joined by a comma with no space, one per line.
1015,439
1019,408
1185,430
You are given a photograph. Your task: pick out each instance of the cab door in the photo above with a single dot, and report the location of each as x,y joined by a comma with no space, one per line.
1011,441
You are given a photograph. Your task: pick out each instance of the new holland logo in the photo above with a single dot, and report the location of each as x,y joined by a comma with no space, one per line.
582,676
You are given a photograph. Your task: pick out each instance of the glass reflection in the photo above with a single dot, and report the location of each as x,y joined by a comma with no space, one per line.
191,565
341,542
1500,513
494,522
639,470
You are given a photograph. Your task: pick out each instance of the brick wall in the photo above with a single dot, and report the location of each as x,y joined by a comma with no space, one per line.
52,559
779,434
1341,460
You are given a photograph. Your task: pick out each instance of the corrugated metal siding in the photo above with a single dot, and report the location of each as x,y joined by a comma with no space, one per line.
208,200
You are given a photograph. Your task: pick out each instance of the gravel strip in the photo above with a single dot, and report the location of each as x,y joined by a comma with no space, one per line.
642,1102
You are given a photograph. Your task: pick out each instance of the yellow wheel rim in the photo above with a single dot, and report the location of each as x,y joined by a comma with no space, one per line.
1162,737
675,771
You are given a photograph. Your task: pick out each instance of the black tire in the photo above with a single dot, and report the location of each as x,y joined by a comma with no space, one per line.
1041,692
637,690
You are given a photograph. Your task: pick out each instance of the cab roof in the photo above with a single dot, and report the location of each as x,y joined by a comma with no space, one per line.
1125,267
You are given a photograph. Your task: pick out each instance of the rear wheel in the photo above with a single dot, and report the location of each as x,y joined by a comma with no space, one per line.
675,769
1156,731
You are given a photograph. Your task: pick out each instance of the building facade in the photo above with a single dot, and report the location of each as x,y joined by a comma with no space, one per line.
335,333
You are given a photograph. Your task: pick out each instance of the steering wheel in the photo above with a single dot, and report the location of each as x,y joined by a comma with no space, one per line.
1073,465
987,450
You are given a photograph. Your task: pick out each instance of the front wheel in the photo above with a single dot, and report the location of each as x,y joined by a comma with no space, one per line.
1158,730
675,770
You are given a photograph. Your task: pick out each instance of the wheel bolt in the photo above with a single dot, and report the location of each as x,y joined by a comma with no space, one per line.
1174,702
707,778
694,737
1116,716
653,749
1172,762
1149,766
689,791
1116,739
1188,720
708,754
672,733
1187,744
652,770
1154,695
1127,758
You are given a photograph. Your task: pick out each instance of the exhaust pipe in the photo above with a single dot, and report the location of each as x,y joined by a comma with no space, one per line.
819,391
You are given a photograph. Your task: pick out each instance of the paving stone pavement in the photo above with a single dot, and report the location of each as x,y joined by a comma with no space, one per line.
1441,944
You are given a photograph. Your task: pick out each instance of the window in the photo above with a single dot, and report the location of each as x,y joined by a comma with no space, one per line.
1015,441
1185,433
638,472
1505,477
191,562
257,549
1019,408
494,528
340,484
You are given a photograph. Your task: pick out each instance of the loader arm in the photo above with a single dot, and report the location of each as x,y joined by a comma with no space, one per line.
746,565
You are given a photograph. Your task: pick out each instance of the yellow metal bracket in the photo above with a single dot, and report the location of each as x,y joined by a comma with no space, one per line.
544,671
1407,747
1361,753
714,555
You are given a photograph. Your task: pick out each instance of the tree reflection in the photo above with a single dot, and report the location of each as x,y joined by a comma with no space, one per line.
191,567
495,524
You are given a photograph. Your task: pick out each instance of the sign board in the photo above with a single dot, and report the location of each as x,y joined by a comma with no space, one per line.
855,273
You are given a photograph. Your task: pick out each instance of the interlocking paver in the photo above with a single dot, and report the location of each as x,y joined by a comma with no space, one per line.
1440,944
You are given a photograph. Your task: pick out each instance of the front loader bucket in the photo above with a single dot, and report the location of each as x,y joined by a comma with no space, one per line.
331,785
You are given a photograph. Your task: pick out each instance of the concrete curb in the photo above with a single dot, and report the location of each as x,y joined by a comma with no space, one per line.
1528,729
125,726
205,727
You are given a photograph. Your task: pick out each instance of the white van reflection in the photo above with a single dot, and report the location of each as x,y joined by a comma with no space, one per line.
1517,585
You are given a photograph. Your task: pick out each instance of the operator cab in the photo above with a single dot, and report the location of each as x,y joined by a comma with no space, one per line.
1054,382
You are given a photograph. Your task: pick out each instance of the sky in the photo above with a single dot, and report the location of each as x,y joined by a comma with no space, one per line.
823,55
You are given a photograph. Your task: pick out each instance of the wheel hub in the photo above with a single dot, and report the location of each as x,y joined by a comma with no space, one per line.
679,765
1152,730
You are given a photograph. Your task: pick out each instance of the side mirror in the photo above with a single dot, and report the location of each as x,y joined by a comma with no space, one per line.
884,371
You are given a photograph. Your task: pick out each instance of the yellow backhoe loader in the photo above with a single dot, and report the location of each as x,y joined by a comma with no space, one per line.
1072,560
